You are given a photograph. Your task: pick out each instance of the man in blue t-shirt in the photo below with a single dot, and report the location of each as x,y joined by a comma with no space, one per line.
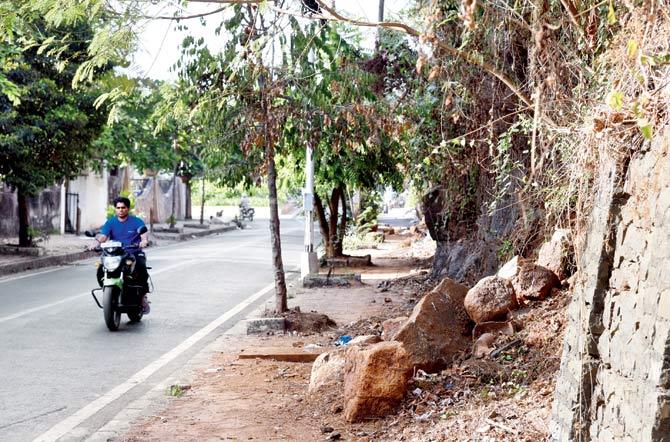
123,228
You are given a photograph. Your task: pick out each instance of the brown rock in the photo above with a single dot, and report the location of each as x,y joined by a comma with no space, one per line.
534,282
437,329
375,380
327,371
510,269
557,253
504,327
484,345
491,298
391,327
365,340
450,287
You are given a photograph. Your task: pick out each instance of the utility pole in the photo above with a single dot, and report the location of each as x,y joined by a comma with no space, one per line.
309,264
380,18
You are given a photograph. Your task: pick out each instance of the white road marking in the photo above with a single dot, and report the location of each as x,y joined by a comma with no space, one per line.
167,246
42,307
182,263
71,298
66,425
14,278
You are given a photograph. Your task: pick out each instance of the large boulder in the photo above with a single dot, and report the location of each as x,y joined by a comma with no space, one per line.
391,326
490,299
534,282
453,289
327,371
557,254
510,269
438,328
375,380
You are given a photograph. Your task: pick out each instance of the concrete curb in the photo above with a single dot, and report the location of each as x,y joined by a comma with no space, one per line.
200,233
45,261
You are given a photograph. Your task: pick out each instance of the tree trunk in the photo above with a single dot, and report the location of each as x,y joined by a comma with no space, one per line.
189,191
173,216
323,223
202,202
24,221
339,249
333,206
281,303
332,234
433,207
440,260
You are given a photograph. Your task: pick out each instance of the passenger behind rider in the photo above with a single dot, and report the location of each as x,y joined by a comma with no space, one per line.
244,201
123,227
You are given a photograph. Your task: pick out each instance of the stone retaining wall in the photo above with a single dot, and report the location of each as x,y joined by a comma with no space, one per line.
614,380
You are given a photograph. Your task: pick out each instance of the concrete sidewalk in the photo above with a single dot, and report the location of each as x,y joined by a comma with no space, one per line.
64,249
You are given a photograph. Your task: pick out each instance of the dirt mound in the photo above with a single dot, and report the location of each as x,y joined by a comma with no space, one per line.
307,322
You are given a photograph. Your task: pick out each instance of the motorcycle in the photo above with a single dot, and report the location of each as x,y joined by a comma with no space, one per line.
120,291
247,212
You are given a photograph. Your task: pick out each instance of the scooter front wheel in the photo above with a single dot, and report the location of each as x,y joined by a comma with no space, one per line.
135,316
110,298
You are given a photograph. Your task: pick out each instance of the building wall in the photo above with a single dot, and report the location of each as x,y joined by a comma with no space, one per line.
44,211
155,196
92,190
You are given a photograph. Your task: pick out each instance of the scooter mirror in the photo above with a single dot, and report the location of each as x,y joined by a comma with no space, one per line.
142,230
90,233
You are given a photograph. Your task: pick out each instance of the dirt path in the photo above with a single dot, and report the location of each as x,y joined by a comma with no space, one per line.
253,399
477,399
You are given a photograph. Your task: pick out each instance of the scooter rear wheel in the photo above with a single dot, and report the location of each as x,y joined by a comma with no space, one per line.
110,299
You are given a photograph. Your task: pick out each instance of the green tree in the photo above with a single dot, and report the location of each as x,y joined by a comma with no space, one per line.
336,110
47,137
131,136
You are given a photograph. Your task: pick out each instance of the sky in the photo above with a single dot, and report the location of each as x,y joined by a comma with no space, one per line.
159,39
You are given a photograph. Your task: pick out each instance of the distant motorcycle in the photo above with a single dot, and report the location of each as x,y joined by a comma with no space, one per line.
247,212
120,291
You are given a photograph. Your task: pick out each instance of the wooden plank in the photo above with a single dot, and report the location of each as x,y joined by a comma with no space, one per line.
280,354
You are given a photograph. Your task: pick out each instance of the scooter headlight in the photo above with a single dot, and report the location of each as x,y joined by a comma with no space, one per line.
111,263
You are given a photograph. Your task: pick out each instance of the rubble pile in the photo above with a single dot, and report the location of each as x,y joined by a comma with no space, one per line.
474,359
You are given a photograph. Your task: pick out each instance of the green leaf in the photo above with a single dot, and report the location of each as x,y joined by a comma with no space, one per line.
615,100
646,128
644,59
611,16
631,49
661,59
11,90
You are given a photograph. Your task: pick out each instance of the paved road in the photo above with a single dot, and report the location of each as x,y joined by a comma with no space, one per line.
62,371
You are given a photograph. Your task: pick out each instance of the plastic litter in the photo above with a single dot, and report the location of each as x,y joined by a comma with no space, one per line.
343,340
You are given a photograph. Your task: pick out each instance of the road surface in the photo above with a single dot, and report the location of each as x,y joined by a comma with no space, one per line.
65,375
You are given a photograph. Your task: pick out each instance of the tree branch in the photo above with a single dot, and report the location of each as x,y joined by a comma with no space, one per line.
185,17
465,56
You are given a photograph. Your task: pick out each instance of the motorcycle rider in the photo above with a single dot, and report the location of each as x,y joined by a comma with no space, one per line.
123,228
